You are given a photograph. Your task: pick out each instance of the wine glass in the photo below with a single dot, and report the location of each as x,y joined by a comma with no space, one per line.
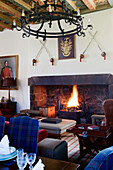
20,152
21,162
31,159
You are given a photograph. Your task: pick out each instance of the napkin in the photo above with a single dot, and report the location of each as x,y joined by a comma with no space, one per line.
4,146
39,165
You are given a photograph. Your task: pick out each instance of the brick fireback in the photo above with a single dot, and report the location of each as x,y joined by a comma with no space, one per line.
92,96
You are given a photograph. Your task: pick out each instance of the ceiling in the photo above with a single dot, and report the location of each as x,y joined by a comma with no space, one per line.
12,9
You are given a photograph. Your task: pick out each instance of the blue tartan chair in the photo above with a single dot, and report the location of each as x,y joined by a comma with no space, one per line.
102,161
2,126
23,133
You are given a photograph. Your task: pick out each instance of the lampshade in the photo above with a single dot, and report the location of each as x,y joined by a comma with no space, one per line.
8,82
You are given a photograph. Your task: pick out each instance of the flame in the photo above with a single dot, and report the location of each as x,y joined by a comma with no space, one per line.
73,100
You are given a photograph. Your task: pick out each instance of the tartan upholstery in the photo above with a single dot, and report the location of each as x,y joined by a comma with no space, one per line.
2,126
23,133
102,161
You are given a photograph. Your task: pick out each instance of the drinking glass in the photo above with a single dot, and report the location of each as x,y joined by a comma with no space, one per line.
20,152
21,162
31,159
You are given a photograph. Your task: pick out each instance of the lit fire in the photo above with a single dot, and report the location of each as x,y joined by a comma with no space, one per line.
73,100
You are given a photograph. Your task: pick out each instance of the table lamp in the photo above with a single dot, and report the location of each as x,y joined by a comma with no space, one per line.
9,82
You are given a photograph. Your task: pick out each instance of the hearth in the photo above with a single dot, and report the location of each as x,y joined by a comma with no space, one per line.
56,90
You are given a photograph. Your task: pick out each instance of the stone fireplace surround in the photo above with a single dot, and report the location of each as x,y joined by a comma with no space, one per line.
100,84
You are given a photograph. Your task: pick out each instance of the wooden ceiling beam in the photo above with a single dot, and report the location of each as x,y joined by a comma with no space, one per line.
72,3
90,4
1,29
41,2
98,8
3,25
21,4
10,9
9,19
6,18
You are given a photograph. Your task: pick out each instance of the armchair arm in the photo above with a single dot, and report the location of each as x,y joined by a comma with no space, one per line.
42,134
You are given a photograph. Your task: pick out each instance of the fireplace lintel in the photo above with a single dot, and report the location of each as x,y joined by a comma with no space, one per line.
86,79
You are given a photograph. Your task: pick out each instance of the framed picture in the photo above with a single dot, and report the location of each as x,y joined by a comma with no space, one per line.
8,69
66,47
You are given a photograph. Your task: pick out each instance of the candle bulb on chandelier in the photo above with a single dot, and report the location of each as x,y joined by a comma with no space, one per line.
23,14
89,24
89,21
32,4
50,8
78,12
55,2
14,22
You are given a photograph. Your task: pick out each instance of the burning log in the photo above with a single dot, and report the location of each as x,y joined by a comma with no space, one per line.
73,109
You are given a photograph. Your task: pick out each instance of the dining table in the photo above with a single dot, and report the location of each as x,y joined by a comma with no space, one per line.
50,164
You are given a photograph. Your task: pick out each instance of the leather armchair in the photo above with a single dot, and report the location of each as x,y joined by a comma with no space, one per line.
108,111
108,120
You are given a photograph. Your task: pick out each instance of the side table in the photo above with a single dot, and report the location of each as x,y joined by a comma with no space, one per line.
85,140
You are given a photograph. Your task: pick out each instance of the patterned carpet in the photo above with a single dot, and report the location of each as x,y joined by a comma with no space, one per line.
74,149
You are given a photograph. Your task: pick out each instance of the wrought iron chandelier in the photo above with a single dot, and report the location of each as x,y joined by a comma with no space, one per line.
48,13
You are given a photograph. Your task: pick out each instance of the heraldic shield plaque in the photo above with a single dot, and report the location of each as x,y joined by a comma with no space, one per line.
66,47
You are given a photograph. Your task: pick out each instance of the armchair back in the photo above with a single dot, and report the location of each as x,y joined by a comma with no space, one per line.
23,133
108,111
2,126
102,161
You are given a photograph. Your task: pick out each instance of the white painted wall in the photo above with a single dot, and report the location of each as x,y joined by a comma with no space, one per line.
12,43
